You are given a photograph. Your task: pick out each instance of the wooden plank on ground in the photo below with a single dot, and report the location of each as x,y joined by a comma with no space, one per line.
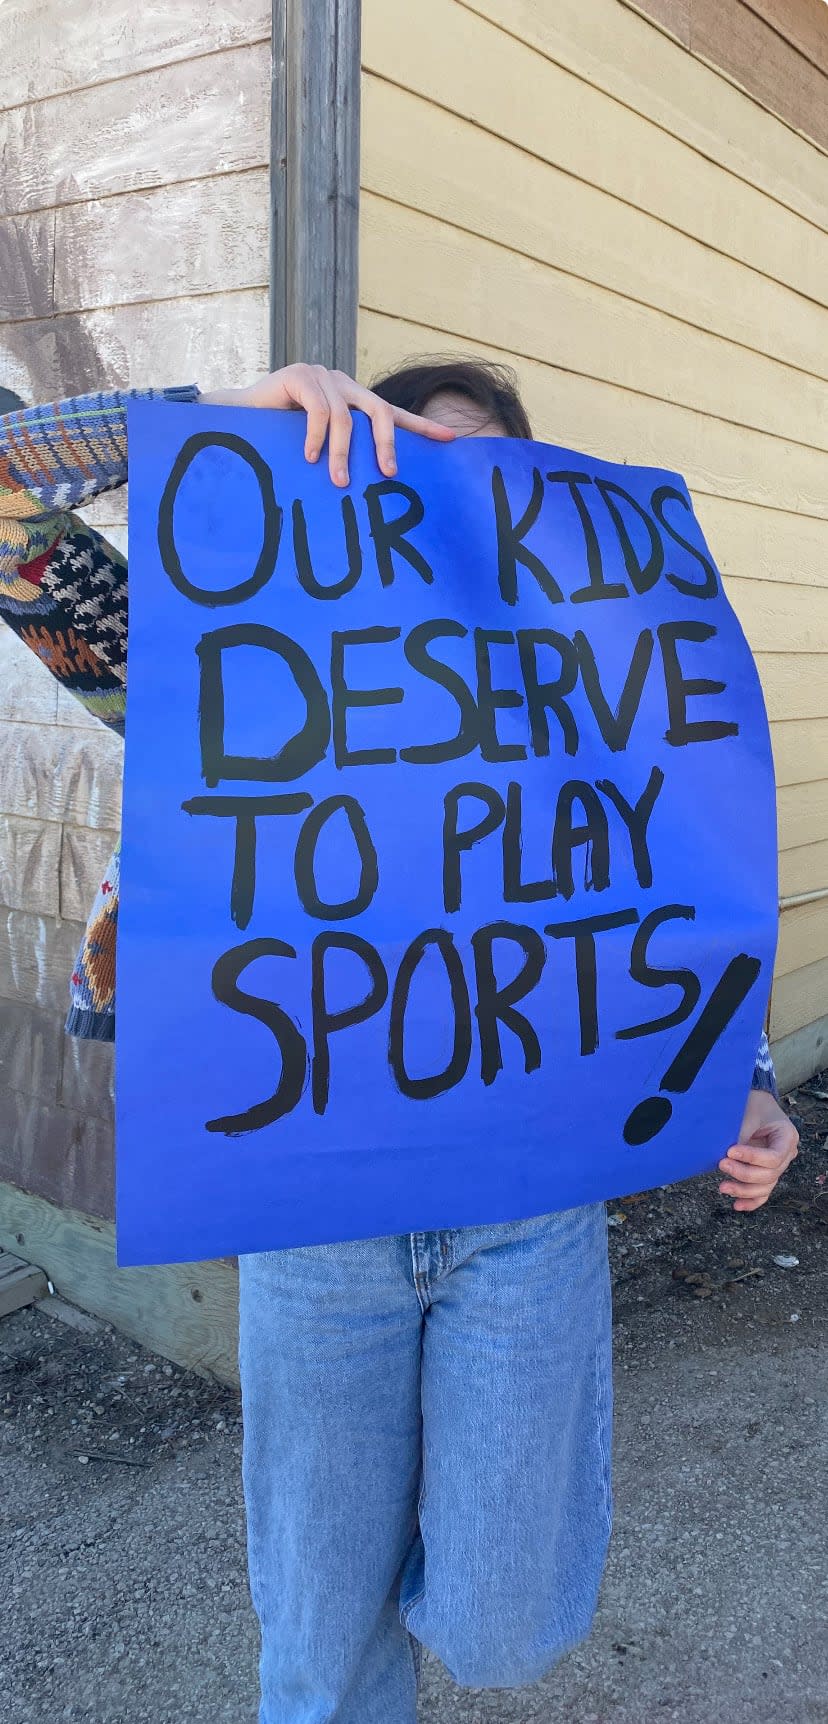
184,121
21,1283
187,1312
418,267
213,340
417,153
734,39
163,244
612,50
514,91
616,424
49,46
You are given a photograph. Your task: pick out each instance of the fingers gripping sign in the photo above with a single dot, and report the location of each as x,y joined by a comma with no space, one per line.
327,398
768,1143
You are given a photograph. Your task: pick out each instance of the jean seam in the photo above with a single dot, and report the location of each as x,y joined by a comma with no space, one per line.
411,1604
416,1651
601,1419
421,1282
418,1596
600,1413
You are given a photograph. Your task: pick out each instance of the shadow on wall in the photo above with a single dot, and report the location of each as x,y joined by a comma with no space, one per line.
60,359
52,356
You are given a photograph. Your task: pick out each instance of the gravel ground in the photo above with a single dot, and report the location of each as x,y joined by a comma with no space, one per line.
122,1527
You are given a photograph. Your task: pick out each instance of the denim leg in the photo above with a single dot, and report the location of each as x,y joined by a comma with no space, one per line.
516,1508
330,1349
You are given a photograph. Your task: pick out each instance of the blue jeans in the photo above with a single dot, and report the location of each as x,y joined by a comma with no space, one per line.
426,1460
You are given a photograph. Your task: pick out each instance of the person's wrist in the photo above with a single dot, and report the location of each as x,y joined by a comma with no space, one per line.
765,1104
225,397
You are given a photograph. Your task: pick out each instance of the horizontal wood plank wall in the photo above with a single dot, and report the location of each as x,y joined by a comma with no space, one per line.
775,50
133,251
572,189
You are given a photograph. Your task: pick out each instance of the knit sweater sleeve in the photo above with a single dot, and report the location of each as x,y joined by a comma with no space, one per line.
764,1075
63,588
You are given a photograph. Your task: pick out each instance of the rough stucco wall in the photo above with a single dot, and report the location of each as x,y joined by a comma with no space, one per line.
133,251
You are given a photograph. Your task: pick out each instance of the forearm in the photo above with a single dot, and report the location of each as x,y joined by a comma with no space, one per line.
63,588
56,458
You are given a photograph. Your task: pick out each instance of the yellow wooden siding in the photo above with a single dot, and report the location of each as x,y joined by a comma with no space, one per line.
800,750
798,999
469,66
631,62
567,188
560,220
803,869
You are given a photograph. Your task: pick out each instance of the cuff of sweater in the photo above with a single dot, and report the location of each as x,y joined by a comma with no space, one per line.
764,1076
181,392
89,1025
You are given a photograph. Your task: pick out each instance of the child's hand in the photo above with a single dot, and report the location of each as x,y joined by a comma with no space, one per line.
767,1145
327,398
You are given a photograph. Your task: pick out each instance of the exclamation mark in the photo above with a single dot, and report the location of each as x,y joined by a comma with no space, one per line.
652,1114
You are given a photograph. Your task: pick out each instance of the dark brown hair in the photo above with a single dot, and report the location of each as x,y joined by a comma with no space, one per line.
492,388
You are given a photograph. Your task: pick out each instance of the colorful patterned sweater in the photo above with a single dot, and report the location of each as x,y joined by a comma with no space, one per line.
63,589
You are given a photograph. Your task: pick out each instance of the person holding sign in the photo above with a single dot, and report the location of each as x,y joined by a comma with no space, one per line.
427,1413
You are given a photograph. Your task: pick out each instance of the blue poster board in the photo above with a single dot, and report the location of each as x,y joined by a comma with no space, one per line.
449,867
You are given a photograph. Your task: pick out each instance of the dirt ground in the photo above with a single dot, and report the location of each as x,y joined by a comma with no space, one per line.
689,1235
121,1518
